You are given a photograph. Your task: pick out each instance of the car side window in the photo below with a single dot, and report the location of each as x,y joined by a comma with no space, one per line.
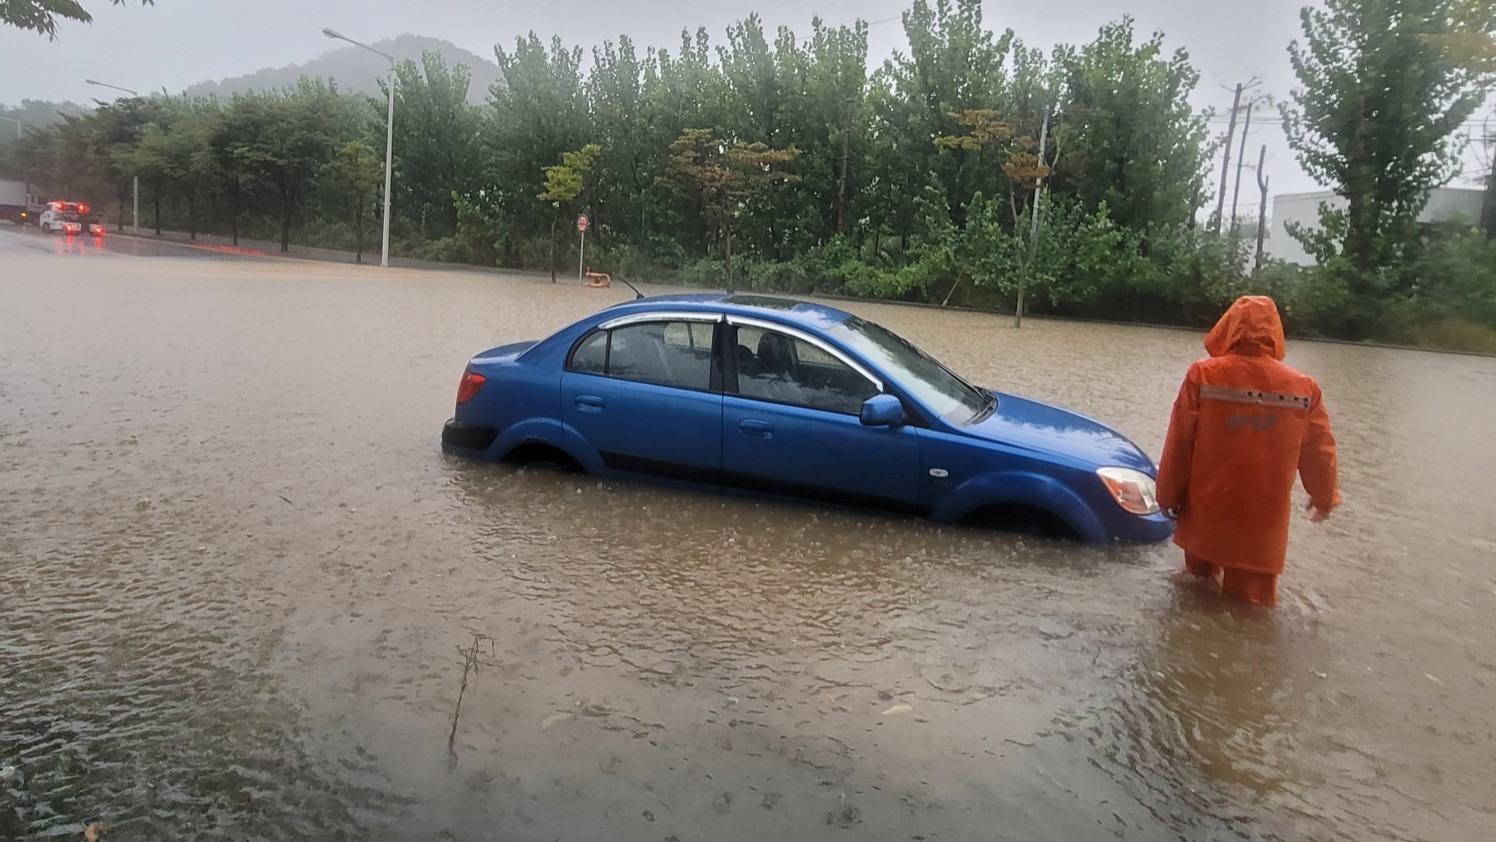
668,353
591,356
777,367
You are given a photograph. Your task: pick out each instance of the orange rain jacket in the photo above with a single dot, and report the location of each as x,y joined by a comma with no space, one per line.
1243,425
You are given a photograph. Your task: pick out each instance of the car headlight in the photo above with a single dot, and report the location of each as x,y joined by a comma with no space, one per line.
1134,491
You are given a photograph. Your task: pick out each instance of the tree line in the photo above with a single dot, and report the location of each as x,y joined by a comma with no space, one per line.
776,162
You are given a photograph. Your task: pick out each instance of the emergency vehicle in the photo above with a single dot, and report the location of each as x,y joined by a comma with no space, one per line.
70,218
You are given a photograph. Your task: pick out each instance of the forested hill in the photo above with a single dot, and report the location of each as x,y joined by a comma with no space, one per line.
357,71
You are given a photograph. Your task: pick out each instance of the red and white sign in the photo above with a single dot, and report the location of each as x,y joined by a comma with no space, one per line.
582,222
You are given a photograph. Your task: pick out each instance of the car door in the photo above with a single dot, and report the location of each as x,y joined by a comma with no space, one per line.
644,391
791,423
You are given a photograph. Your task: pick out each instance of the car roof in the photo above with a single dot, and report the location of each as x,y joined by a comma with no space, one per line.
788,310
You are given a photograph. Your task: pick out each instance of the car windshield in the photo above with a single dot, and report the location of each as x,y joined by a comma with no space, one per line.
921,375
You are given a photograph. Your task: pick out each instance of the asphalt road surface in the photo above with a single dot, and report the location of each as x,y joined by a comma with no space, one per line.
28,240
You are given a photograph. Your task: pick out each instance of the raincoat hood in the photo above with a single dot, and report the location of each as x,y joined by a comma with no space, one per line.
1250,327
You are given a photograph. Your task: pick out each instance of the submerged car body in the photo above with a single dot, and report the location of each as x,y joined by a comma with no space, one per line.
803,400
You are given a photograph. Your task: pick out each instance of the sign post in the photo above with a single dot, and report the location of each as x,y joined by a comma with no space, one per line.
582,249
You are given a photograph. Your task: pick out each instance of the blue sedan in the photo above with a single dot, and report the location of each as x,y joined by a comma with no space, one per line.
796,399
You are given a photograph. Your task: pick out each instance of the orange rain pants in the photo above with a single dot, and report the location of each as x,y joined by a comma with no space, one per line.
1243,425
1256,588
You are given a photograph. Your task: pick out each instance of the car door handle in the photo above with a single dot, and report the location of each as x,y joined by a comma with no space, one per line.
590,403
761,429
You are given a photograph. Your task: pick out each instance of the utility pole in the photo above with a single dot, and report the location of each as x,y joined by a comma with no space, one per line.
1241,158
1033,249
1261,208
841,189
1488,207
1226,164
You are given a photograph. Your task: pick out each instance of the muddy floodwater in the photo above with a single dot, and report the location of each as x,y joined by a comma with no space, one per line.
237,574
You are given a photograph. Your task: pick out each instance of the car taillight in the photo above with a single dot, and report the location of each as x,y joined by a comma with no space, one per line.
471,383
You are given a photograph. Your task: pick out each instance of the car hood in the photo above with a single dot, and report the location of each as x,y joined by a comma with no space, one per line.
1040,426
503,353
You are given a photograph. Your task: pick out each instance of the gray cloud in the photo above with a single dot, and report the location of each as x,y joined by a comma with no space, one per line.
175,43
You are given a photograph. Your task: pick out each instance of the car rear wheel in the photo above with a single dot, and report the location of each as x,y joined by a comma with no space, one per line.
537,455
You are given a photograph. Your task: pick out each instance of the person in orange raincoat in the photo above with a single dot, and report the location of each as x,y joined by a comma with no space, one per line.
1243,425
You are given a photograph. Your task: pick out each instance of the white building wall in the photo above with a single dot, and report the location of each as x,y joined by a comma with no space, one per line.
1303,209
1444,204
1449,203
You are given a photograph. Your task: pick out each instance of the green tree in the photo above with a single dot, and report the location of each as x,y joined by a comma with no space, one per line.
679,91
293,137
194,164
628,163
1471,38
831,127
112,132
356,170
152,160
725,179
1132,140
1376,113
988,141
41,16
238,159
175,155
437,142
563,184
954,65
537,113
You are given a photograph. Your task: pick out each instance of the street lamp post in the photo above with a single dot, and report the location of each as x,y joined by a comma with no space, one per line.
135,184
389,140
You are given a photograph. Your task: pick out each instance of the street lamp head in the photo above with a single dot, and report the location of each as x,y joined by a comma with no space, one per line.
107,85
332,33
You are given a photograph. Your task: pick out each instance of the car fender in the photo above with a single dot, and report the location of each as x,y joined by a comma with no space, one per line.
1023,488
550,432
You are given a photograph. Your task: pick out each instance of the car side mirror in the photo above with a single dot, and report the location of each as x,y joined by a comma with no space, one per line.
883,411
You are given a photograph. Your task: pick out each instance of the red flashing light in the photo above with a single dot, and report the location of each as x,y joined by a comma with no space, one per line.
469,386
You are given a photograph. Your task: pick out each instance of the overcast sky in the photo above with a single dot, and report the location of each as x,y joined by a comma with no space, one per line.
176,43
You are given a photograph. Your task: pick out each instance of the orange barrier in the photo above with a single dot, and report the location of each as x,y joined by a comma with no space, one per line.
599,280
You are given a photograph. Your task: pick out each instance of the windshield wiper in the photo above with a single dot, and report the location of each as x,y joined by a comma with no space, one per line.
989,404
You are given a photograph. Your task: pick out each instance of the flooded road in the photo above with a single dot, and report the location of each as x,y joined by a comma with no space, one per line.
236,574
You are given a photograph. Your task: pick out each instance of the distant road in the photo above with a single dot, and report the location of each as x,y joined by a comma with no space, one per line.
29,240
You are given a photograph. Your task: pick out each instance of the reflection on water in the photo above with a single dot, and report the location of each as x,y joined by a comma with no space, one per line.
236,570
